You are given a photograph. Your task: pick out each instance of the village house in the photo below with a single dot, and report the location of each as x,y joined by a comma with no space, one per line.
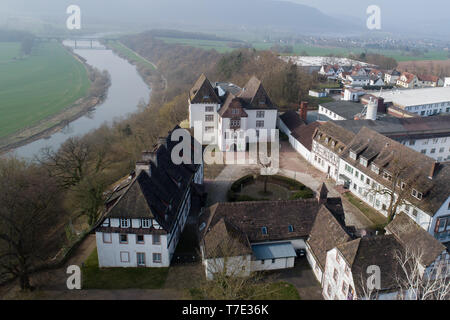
146,214
226,112
407,80
390,78
346,264
357,81
429,81
259,236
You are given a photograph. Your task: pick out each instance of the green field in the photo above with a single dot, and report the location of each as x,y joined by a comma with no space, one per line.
222,46
37,86
133,56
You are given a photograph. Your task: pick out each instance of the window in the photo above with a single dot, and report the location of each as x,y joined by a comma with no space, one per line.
209,109
441,150
353,155
433,150
140,258
234,111
338,259
424,151
291,228
274,260
209,129
383,207
156,239
264,230
412,142
335,275
139,238
124,256
123,238
262,261
363,162
260,123
235,123
145,223
344,288
416,194
157,257
209,118
124,223
348,169
260,114
414,213
107,238
375,169
368,181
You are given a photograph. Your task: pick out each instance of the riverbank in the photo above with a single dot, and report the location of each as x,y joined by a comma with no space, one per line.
99,84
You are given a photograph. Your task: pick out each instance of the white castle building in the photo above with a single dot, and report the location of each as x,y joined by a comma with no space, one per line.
226,112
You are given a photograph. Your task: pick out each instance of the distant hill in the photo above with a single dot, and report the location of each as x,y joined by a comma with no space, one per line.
269,15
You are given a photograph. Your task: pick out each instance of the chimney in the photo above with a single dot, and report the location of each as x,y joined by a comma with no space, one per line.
433,169
304,110
322,194
381,105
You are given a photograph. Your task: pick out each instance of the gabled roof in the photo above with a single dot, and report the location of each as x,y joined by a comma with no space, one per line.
326,234
415,238
380,251
255,96
409,77
232,103
292,120
304,134
203,92
340,136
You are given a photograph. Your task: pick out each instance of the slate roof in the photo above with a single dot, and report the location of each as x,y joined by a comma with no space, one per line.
292,120
157,195
390,156
232,102
326,233
255,96
378,250
345,109
335,133
415,238
402,128
304,134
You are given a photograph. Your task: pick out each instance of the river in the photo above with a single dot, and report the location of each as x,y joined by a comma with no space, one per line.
126,91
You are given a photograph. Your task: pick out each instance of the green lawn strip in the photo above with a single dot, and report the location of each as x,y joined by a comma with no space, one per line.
38,86
132,55
378,220
121,278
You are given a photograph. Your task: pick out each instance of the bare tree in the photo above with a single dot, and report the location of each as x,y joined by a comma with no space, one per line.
29,203
232,278
416,282
401,178
75,160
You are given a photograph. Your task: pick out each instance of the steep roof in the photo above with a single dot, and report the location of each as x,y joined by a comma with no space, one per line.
203,92
232,103
415,238
413,167
156,194
336,134
326,234
255,96
380,251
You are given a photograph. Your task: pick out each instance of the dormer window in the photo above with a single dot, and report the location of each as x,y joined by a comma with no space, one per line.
145,223
333,143
375,169
202,227
264,230
416,194
291,228
353,155
387,176
205,97
234,111
363,162
327,140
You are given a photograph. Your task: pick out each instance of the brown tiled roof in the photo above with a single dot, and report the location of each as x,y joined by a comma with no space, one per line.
428,78
415,238
276,216
224,240
292,120
409,76
335,133
380,251
326,234
203,92
304,134
231,103
391,156
255,96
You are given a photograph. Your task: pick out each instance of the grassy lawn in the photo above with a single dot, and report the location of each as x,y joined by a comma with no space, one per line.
121,278
377,218
37,86
133,56
220,46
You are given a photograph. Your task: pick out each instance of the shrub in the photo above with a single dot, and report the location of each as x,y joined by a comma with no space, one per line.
303,194
236,186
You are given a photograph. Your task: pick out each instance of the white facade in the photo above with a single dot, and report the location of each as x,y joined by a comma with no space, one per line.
330,114
436,148
325,160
